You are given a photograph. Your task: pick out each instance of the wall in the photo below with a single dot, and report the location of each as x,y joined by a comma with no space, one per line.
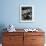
9,13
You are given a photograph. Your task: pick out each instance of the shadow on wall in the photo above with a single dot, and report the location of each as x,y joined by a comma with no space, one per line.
2,26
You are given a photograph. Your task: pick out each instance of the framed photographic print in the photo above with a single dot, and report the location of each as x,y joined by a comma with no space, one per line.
26,13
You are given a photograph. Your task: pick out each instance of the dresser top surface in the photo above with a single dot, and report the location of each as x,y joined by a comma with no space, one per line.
22,30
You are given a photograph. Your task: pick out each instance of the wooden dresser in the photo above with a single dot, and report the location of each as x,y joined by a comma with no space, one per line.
23,38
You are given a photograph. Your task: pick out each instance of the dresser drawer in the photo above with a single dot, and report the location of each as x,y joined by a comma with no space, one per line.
37,44
34,33
13,44
13,33
37,39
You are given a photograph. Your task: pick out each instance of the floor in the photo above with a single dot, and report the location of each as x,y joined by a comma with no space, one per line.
0,44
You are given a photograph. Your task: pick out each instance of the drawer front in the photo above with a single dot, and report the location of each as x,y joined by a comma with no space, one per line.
37,45
13,33
37,39
34,33
12,44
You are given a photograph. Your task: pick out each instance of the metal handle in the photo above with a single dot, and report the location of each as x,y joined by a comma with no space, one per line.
33,39
11,38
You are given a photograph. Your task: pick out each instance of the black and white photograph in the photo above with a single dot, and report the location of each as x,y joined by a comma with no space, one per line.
26,13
